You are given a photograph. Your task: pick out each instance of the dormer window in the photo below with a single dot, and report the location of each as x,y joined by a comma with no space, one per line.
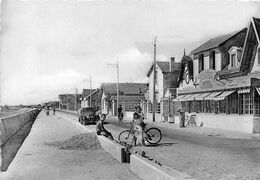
234,56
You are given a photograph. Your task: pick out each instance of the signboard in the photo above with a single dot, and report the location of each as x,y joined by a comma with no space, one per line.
206,78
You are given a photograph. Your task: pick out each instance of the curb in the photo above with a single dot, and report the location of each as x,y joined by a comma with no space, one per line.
146,170
113,148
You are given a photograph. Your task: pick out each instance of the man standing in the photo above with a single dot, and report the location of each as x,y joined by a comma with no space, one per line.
100,129
120,114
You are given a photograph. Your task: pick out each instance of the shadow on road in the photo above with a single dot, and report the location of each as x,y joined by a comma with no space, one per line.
160,144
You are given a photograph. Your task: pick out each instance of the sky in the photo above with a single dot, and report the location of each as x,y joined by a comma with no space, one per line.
50,47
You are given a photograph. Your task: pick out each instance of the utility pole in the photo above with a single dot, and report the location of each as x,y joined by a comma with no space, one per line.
117,84
90,98
76,94
154,77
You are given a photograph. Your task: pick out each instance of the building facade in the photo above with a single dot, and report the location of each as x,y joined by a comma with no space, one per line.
166,83
223,89
130,96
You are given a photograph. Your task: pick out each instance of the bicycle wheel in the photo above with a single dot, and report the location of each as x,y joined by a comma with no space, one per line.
154,135
126,136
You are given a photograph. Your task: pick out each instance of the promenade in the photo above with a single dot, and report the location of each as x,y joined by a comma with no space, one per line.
39,158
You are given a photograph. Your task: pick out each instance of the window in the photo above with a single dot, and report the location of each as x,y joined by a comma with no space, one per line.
257,104
222,106
212,64
246,103
201,63
233,60
233,100
192,106
199,107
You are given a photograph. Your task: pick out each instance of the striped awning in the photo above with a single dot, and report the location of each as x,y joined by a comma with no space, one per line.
242,91
258,90
191,97
202,96
179,97
186,98
223,95
212,95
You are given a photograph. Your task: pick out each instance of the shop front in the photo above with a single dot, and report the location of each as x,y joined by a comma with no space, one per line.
231,104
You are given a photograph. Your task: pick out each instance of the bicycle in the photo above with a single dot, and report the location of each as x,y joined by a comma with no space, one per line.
152,135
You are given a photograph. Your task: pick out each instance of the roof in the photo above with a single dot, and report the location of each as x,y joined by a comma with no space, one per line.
251,42
226,84
186,60
257,25
215,42
165,66
124,88
128,98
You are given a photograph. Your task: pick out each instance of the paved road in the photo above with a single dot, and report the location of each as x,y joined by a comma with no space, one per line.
202,156
36,159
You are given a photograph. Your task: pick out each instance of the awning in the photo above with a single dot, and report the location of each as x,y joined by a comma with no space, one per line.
212,95
258,90
202,96
223,95
191,97
186,97
179,97
242,91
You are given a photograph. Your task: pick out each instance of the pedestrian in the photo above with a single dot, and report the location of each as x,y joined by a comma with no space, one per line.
138,123
120,114
100,129
54,110
181,110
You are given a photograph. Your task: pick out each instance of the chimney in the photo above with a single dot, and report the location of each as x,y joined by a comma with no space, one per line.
172,59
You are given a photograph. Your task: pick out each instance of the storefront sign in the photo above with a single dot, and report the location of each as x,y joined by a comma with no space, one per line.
206,78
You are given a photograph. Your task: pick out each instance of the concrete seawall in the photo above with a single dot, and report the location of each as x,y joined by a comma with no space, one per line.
13,130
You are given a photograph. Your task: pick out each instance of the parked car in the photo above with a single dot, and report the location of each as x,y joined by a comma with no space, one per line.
88,116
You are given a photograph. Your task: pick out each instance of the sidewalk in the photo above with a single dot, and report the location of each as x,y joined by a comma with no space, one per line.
200,130
36,159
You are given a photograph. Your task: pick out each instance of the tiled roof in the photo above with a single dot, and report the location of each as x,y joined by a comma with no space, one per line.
128,98
213,43
124,88
257,25
165,66
186,60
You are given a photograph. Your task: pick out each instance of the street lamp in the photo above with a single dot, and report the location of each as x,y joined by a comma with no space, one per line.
117,89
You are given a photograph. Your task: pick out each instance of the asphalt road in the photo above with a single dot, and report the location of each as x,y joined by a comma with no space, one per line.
201,156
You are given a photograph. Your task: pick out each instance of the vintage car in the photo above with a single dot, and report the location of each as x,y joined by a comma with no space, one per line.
88,116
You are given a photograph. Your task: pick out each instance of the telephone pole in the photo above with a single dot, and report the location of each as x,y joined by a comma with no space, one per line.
90,98
154,77
117,84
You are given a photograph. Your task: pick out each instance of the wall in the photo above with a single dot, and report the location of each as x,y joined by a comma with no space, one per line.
243,123
13,130
218,61
206,62
195,69
129,116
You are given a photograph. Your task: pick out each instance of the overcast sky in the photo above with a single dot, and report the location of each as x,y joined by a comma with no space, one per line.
51,47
